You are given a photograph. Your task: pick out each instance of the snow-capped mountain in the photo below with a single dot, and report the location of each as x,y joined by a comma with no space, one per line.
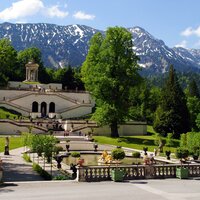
64,45
156,56
60,45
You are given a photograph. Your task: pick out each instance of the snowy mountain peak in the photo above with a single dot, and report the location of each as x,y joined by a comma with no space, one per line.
64,45
140,32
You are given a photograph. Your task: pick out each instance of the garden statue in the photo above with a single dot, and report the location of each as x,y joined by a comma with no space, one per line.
6,152
67,147
105,158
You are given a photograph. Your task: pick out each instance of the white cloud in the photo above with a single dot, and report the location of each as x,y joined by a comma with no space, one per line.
182,44
54,11
83,16
191,31
21,9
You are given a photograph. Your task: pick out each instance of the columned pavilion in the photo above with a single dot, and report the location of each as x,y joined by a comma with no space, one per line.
32,71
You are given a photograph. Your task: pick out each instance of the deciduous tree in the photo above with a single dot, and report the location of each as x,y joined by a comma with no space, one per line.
109,72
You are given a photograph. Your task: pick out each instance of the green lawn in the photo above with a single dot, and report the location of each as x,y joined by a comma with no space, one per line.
31,82
6,113
135,142
15,142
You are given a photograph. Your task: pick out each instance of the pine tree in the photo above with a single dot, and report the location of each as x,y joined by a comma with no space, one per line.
193,89
172,116
193,102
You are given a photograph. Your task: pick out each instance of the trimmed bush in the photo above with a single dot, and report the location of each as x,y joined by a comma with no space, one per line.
136,154
118,154
58,149
182,153
75,154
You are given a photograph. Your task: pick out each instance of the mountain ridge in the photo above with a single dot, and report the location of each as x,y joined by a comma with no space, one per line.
68,45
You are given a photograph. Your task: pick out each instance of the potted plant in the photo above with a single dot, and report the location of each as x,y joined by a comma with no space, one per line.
167,153
182,172
95,146
75,155
145,149
67,145
117,174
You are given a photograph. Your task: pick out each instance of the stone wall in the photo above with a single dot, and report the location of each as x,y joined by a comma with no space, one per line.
21,85
9,129
67,104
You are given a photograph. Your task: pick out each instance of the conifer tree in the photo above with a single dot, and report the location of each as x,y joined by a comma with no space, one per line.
172,116
193,89
193,102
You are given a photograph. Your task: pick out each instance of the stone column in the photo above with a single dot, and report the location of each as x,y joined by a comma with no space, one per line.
36,75
39,108
26,74
47,109
29,74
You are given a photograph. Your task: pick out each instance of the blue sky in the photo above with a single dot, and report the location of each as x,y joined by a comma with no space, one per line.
176,22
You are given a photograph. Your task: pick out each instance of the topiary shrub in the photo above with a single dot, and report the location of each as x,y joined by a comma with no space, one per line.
182,153
118,154
136,154
58,149
75,154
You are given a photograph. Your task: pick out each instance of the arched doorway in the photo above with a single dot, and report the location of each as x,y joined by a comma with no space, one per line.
43,109
35,106
52,107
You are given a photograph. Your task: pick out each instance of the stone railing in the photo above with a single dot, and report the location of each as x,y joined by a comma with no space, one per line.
102,173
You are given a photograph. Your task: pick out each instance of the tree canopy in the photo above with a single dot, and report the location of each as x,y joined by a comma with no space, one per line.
109,72
8,60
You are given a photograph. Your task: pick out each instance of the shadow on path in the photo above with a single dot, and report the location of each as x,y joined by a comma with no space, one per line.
16,169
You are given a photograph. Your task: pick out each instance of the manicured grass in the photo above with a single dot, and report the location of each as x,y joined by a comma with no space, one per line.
136,142
15,142
4,114
31,83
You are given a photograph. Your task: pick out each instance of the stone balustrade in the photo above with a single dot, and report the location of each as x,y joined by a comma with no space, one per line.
132,172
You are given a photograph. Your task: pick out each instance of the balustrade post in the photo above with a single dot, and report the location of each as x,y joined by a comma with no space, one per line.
80,174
